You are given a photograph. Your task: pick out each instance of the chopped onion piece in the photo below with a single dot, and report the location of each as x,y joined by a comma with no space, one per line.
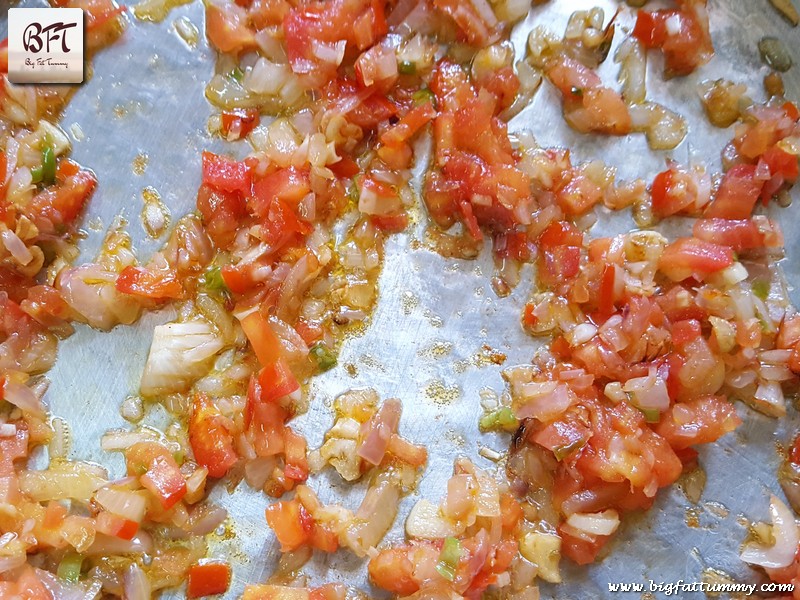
131,505
426,522
601,523
180,353
784,530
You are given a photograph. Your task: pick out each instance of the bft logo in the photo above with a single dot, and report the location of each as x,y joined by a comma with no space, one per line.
32,38
45,45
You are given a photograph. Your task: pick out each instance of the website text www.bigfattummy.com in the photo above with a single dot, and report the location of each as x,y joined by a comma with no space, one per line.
676,588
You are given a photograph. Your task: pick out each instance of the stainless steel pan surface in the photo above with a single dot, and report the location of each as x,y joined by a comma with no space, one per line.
435,316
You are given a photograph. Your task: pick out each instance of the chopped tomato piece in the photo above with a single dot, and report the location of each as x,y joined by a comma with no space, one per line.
158,472
315,24
289,185
479,28
227,28
698,421
156,285
295,451
226,175
739,234
262,338
207,579
292,524
685,331
238,278
222,213
281,225
737,194
61,203
393,571
237,123
390,223
781,163
409,124
687,257
111,524
276,380
681,34
12,447
211,441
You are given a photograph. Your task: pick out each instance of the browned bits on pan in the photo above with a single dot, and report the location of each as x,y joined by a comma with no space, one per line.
773,84
775,54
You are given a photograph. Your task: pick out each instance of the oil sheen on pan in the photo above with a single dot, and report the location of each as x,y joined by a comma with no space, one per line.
416,299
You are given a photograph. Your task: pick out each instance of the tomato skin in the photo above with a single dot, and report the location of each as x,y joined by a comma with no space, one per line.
212,443
737,194
700,421
345,168
687,257
139,281
208,579
606,300
158,472
648,31
3,67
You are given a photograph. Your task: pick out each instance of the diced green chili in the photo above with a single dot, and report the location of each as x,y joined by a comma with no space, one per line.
448,559
502,419
214,281
406,67
424,95
48,164
236,74
562,452
761,288
326,359
69,569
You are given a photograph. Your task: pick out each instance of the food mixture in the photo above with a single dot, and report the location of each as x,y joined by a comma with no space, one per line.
362,118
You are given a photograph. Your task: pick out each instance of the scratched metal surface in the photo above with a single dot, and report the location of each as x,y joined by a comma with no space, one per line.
434,314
